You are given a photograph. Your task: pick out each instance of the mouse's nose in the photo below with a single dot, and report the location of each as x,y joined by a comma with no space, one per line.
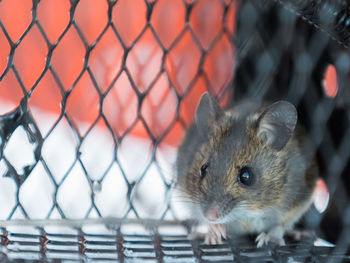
212,213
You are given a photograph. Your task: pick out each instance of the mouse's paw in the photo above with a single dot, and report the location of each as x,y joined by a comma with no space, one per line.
215,235
275,235
262,239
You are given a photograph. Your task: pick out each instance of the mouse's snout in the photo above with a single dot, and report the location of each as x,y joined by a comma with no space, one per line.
217,210
212,212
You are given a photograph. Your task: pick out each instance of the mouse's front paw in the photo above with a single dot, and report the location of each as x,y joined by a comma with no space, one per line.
275,235
262,239
215,235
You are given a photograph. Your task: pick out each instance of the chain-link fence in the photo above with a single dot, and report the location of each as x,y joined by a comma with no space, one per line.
95,97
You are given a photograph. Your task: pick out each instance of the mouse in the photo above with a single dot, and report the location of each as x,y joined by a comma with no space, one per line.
248,169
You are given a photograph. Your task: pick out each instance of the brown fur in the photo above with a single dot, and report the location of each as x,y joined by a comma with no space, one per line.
232,142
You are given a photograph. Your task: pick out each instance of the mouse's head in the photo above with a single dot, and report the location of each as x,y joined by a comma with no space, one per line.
242,160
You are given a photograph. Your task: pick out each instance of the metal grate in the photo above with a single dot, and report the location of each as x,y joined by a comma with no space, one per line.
113,244
95,97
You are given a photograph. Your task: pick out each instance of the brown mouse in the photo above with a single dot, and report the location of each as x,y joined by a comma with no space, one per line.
247,169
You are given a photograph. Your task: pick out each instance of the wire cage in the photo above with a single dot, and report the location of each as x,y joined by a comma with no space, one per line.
95,97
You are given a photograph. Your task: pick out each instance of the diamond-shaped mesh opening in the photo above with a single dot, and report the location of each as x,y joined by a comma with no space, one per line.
95,97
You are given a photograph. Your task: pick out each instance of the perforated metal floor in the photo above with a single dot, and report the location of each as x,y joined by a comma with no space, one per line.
63,244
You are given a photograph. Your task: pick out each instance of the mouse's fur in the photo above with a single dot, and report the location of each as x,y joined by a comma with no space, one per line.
263,137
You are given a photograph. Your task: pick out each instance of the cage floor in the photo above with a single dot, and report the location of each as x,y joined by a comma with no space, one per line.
118,244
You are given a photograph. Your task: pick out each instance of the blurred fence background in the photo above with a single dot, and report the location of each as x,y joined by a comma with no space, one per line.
95,97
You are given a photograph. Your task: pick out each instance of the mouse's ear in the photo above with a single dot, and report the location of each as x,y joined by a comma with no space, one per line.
276,124
207,112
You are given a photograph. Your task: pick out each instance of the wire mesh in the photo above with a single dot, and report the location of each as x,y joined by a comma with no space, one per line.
141,63
95,97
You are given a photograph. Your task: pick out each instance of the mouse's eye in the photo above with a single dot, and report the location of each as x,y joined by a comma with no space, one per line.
204,169
246,176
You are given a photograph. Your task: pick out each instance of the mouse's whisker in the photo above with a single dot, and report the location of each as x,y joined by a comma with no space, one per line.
184,201
193,199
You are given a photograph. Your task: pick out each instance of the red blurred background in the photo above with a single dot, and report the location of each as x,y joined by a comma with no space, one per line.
161,55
